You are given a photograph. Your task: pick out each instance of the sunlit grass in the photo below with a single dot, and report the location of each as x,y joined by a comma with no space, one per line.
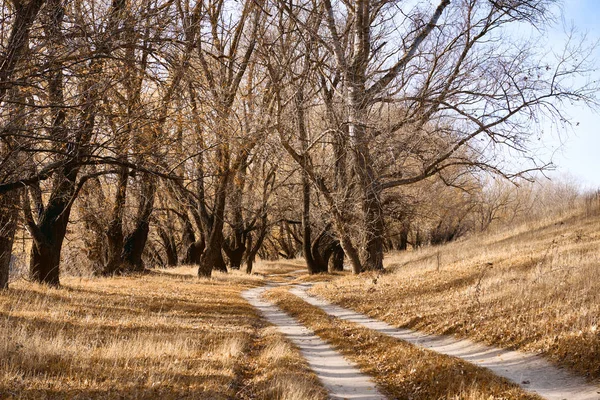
166,335
402,370
534,287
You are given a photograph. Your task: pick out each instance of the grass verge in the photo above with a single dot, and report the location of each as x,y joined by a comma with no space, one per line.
403,371
276,370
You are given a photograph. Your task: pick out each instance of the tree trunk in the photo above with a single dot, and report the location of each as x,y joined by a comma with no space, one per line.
373,224
114,232
8,226
251,254
403,245
49,233
336,262
212,257
25,15
320,254
170,246
235,256
133,246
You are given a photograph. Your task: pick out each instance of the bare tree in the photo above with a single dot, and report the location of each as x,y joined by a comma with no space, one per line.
24,16
450,91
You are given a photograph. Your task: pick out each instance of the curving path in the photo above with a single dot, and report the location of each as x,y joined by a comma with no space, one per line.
530,371
341,379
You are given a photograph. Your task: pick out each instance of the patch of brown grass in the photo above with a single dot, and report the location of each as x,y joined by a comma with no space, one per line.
278,371
319,277
402,370
166,335
281,270
535,287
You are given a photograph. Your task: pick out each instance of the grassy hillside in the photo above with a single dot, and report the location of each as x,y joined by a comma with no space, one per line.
533,287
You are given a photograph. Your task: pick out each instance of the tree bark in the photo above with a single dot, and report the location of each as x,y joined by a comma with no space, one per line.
133,246
25,16
373,223
114,232
336,262
235,256
169,246
312,256
193,247
212,257
8,226
49,232
251,254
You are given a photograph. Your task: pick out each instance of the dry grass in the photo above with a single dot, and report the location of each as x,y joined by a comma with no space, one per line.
292,271
278,371
166,335
535,287
400,369
282,270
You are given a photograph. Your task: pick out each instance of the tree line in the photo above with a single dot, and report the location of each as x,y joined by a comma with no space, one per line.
211,132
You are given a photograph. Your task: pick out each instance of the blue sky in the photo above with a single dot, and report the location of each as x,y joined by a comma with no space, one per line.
579,154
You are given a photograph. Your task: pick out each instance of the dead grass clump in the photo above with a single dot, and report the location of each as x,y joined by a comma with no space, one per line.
155,336
534,288
402,370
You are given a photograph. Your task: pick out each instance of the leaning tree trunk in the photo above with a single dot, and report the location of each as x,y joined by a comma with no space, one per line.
8,226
